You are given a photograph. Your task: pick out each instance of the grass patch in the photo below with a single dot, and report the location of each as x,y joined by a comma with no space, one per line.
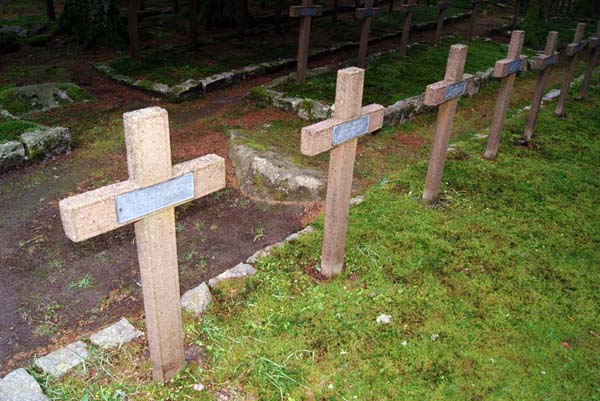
10,130
390,77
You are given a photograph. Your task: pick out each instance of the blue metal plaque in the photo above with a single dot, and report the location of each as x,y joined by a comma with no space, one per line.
351,129
515,66
308,12
551,60
578,47
141,202
455,90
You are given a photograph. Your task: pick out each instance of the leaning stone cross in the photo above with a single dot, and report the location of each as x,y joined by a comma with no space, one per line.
573,50
147,199
445,94
367,13
542,63
506,70
339,135
408,9
594,45
306,11
475,10
443,6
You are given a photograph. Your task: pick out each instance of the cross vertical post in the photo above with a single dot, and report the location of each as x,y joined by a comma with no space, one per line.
147,199
50,10
367,15
133,28
475,10
445,94
573,50
408,8
339,134
443,6
594,45
542,63
506,70
306,11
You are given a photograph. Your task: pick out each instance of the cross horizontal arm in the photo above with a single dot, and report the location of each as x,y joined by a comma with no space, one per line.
574,48
507,67
443,91
366,12
409,8
544,61
306,11
319,137
93,213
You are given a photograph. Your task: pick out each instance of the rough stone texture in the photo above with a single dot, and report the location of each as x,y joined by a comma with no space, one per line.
238,271
63,360
18,385
269,176
49,142
116,335
294,236
42,97
261,253
197,299
12,155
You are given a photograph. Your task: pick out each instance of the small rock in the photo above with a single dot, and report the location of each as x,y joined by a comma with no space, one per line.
357,200
12,154
197,299
384,319
61,361
480,136
261,253
18,385
293,237
116,335
199,387
435,337
553,94
238,271
404,343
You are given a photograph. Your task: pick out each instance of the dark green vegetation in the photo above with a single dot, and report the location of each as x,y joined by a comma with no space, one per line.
23,100
537,32
10,130
493,293
390,78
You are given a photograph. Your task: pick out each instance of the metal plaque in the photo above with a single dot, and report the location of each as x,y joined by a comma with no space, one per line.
351,129
308,12
515,66
550,60
455,90
141,202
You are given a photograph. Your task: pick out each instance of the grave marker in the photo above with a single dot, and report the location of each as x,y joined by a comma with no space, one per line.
367,13
506,70
408,9
594,45
339,135
445,94
442,6
147,199
542,63
475,10
306,11
573,50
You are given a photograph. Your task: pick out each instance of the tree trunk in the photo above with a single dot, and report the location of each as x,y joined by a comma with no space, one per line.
133,28
50,10
194,23
175,6
92,20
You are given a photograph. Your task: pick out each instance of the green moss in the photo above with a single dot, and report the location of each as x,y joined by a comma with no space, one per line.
10,130
9,100
38,40
75,92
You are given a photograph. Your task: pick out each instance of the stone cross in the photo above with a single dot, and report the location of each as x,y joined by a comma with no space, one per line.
573,50
306,11
475,10
443,6
148,199
506,70
367,13
408,9
339,135
594,45
445,94
542,63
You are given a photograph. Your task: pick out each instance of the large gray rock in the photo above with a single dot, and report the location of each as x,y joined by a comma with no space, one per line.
116,335
18,385
63,360
24,100
238,271
12,155
48,142
197,299
269,176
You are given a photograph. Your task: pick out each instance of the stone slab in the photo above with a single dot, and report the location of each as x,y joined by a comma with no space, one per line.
19,385
61,361
45,143
238,271
116,335
12,155
197,299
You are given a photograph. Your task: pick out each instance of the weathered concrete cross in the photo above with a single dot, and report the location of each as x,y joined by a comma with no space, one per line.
506,70
445,94
475,10
594,45
366,14
306,11
573,50
443,6
543,63
339,134
408,9
147,199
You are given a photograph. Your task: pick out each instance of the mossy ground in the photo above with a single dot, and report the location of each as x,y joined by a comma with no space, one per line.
390,78
10,130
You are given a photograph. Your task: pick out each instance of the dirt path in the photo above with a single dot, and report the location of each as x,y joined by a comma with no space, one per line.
55,290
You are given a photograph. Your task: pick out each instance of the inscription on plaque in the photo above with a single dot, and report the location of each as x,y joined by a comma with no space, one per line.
515,66
455,90
308,12
139,203
346,131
